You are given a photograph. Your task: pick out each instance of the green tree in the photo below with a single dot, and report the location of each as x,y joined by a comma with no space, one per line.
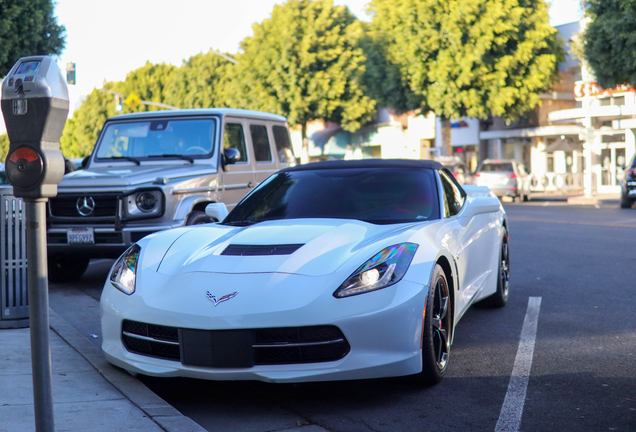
4,146
27,27
609,41
197,82
304,62
469,57
147,82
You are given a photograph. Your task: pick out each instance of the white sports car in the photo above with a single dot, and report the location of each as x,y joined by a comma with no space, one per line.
327,271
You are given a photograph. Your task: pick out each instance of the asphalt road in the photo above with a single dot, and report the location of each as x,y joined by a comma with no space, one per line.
579,260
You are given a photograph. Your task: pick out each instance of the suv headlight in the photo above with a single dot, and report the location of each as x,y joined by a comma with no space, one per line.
124,273
384,269
143,204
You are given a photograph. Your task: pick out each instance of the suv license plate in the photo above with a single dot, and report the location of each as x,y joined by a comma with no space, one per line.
80,236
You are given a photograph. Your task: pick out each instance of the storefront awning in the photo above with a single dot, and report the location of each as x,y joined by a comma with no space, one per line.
566,145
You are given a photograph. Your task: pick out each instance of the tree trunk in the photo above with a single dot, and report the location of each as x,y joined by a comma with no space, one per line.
447,146
304,157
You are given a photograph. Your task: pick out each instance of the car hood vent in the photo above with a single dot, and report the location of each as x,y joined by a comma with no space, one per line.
260,250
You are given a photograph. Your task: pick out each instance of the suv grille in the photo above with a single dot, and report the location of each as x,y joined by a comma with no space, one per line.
65,206
268,346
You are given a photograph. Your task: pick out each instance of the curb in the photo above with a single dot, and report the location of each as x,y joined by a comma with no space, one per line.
158,410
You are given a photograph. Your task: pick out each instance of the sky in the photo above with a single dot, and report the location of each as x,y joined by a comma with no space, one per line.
108,39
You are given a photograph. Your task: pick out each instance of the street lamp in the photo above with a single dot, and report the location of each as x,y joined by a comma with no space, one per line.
119,99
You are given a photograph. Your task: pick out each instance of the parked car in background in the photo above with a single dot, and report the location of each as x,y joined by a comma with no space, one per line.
628,184
334,270
158,170
458,168
506,178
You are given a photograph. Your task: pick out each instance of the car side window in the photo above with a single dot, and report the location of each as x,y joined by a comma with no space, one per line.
235,138
283,144
453,197
260,140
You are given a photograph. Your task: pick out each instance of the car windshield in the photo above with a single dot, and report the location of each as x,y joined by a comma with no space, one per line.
376,195
504,167
182,139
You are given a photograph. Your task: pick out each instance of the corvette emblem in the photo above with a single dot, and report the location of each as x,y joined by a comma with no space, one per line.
226,297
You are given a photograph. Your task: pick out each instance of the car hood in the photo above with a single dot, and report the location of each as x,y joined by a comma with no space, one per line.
326,245
131,175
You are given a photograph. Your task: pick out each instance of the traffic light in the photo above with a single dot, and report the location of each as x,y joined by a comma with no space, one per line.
70,74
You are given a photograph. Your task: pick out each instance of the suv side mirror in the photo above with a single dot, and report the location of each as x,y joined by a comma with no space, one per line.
216,211
85,161
231,155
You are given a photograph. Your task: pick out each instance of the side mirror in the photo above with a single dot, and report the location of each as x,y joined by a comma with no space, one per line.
85,161
231,155
477,206
216,211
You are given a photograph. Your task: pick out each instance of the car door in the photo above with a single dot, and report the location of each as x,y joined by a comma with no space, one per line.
261,139
238,178
471,246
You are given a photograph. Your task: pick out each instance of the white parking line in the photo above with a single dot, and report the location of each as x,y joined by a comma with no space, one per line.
512,409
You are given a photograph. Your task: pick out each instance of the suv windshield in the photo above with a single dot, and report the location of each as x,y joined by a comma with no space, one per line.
184,139
497,167
378,195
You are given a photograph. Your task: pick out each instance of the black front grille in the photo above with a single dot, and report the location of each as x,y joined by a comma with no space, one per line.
259,250
66,205
100,238
135,236
155,341
271,346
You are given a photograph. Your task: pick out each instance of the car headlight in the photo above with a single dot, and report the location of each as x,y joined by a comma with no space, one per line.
143,204
146,202
124,274
386,268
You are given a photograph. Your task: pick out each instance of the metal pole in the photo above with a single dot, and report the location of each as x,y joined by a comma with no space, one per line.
589,140
39,313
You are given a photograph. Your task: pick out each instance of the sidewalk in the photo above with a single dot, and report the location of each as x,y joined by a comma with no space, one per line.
577,199
89,394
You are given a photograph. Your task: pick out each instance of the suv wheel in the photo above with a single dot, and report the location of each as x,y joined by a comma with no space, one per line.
625,202
65,268
197,217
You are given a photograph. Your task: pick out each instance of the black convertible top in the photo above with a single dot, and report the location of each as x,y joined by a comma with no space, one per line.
367,163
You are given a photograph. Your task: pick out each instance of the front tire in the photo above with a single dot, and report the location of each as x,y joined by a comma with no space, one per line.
436,330
66,268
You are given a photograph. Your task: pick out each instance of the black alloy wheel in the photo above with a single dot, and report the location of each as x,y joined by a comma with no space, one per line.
500,297
437,329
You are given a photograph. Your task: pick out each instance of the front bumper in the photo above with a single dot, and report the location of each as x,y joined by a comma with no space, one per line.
382,328
109,242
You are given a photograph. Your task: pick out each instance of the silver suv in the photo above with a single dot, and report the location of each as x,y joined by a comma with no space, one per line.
159,170
504,178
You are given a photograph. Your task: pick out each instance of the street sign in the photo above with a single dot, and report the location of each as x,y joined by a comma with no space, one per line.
133,101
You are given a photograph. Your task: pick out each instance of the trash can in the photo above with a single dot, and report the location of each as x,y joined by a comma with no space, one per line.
14,299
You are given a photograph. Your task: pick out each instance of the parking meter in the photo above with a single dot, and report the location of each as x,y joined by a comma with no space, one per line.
35,106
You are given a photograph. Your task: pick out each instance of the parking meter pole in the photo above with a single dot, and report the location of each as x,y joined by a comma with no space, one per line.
35,105
39,313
